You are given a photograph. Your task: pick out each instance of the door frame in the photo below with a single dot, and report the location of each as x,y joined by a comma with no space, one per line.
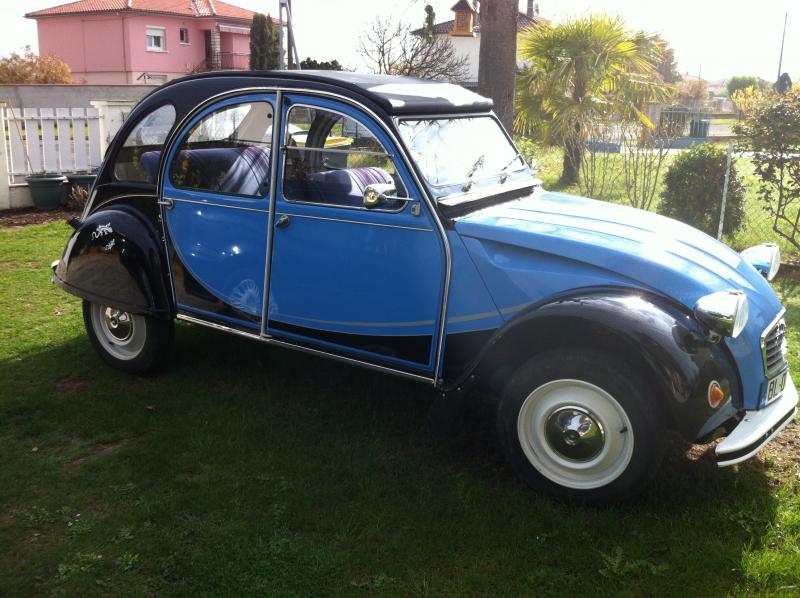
278,125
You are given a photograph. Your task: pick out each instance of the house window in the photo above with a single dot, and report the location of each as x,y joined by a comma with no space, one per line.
156,39
184,35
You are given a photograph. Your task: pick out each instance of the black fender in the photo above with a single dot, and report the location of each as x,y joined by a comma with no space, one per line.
115,257
653,334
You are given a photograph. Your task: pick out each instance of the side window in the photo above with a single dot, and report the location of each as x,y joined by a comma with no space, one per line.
227,151
332,158
140,154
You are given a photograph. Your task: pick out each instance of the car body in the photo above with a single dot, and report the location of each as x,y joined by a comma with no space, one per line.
396,227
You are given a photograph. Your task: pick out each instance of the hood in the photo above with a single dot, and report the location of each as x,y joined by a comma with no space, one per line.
603,241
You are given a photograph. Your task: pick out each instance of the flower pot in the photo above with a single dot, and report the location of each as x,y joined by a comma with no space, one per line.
47,190
82,179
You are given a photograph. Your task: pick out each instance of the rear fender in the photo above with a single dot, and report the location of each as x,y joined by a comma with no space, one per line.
115,258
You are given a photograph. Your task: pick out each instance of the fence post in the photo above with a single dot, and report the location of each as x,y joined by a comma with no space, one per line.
725,192
5,186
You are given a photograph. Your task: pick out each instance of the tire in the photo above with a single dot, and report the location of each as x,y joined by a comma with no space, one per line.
133,343
580,425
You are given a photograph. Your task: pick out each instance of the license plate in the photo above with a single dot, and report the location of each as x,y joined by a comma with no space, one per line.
776,386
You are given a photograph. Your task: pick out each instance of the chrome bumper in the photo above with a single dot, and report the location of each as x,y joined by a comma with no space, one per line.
757,428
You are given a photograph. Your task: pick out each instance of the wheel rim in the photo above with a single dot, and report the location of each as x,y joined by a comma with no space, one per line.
575,434
122,334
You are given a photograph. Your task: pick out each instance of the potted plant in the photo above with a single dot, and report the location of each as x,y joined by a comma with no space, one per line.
47,189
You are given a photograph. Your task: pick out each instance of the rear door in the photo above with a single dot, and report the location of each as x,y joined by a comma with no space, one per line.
216,198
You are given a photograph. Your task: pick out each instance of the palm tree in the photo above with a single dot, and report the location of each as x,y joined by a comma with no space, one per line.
497,60
580,71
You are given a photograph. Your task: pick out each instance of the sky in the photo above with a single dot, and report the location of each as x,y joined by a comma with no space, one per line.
714,39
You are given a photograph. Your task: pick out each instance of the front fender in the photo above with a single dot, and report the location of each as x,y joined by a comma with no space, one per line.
650,333
115,258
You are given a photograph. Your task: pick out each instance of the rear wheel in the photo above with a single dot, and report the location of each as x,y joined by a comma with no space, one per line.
579,424
130,342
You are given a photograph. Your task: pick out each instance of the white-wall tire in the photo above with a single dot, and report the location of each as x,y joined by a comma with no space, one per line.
578,424
597,412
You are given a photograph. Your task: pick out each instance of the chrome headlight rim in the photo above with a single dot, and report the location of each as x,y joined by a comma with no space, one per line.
723,312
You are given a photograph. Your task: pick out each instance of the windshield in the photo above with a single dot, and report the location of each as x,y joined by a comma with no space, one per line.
460,151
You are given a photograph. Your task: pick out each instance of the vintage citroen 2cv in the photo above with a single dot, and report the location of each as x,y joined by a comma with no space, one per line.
391,223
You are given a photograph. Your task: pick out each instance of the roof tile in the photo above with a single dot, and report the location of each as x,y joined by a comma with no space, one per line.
185,8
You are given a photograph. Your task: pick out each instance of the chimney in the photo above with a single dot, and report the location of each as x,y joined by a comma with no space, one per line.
529,12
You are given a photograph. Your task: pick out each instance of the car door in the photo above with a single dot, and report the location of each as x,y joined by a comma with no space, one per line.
216,207
367,283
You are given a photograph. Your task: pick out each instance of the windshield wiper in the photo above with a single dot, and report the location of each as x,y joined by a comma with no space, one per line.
503,171
468,183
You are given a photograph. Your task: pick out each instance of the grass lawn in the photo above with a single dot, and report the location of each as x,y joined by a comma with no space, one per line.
245,470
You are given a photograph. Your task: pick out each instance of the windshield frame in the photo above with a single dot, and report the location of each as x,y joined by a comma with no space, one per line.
457,186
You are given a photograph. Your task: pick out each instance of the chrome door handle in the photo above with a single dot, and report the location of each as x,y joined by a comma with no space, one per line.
283,221
167,203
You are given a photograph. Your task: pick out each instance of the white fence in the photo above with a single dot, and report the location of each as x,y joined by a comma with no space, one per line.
51,140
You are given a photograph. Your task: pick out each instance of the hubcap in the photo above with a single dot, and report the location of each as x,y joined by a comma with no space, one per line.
119,323
574,433
122,334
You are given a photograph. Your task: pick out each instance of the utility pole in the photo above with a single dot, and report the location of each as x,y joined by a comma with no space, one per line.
783,41
289,38
288,48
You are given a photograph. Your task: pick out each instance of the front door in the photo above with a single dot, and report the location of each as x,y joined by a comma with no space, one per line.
367,283
216,188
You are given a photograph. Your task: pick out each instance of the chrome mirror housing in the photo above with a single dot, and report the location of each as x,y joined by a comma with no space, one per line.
766,258
378,194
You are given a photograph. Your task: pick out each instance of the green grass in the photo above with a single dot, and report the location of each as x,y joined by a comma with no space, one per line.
249,470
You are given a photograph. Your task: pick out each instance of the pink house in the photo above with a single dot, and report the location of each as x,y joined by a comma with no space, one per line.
144,41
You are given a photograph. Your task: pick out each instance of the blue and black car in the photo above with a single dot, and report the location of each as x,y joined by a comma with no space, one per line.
391,223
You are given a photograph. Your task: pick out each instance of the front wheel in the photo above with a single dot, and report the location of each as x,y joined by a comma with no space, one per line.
133,343
581,425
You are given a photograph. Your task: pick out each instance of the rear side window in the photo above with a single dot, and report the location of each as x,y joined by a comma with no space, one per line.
140,155
227,151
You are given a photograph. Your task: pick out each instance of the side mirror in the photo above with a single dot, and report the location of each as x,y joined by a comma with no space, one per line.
378,194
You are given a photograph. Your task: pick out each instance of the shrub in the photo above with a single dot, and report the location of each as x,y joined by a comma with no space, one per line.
693,190
772,132
76,200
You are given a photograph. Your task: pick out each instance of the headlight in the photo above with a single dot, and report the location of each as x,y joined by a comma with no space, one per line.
724,312
766,258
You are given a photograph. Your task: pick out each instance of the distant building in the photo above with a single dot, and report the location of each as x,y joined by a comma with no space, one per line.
464,30
144,41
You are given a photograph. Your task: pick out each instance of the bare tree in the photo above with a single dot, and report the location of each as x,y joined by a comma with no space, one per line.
497,68
389,48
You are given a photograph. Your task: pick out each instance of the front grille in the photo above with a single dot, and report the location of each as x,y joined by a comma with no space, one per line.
774,347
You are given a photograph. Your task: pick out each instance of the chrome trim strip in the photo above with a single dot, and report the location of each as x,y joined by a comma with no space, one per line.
334,150
376,324
410,165
763,341
333,356
216,326
424,230
277,125
214,204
